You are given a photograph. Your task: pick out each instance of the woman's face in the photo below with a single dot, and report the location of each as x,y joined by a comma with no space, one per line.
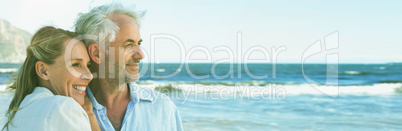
69,75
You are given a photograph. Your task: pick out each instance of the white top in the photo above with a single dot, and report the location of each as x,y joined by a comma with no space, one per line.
44,111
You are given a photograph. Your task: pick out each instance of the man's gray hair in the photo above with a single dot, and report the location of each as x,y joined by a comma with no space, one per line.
99,27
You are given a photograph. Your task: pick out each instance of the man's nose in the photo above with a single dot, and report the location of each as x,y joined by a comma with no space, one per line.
138,54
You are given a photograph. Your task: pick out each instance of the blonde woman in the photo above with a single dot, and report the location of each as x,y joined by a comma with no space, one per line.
50,85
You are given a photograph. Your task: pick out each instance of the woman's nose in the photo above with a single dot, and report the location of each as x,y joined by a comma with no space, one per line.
87,75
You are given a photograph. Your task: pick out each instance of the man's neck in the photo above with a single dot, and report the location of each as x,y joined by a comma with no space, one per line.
107,94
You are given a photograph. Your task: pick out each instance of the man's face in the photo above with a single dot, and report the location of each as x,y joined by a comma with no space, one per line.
125,50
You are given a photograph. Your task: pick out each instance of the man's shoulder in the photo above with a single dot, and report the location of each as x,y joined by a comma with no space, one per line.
150,96
156,108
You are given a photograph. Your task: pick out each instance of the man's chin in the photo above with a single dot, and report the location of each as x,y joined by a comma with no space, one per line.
132,77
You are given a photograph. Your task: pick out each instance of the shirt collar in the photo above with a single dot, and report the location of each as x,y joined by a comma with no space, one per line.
95,103
43,90
137,93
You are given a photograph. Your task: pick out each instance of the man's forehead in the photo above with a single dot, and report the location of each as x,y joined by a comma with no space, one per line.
128,35
128,28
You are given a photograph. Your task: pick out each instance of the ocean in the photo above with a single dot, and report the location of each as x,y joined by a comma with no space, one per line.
273,97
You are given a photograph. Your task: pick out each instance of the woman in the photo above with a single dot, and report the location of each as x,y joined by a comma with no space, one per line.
56,66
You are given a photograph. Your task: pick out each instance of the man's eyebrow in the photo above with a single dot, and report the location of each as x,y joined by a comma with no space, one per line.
131,40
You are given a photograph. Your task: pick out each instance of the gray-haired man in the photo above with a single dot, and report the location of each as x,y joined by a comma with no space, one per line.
112,36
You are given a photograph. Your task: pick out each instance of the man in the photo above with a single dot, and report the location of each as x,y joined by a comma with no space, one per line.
112,36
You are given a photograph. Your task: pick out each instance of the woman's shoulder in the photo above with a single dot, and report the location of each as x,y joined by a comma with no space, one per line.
42,98
44,111
56,103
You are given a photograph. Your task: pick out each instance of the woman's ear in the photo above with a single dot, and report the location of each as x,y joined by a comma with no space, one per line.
93,51
42,70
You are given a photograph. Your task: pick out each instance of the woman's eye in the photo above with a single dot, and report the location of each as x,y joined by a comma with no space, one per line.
76,65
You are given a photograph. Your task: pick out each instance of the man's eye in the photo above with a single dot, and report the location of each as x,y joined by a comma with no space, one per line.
139,43
129,45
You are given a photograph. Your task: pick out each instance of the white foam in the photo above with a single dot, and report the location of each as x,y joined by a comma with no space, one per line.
352,72
376,89
3,87
6,70
160,70
291,89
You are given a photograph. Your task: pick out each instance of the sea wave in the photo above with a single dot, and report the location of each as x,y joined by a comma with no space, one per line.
160,70
391,81
225,83
3,87
8,70
381,68
355,73
288,89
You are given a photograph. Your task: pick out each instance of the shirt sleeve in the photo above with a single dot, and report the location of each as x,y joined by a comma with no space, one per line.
179,125
69,116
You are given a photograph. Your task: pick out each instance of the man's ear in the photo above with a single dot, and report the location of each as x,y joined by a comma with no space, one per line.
93,51
42,70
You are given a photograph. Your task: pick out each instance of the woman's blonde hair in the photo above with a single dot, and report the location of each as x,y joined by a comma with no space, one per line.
46,45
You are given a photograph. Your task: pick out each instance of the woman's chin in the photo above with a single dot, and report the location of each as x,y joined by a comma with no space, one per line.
79,100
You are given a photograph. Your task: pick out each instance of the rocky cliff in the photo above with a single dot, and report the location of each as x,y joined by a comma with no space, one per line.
13,43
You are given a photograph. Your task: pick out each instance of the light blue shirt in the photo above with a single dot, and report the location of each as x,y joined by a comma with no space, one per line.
147,110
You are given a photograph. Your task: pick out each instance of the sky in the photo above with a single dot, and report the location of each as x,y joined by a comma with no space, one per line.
361,31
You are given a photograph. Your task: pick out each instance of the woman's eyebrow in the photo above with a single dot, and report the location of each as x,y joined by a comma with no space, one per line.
77,59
